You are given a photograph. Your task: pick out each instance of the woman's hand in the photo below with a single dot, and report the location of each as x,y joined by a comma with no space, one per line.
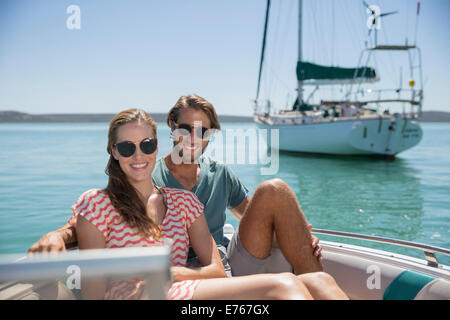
176,273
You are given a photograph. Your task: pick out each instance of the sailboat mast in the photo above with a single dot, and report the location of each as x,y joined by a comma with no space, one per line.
263,49
300,90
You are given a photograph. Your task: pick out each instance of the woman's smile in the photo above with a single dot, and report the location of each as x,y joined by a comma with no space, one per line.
140,166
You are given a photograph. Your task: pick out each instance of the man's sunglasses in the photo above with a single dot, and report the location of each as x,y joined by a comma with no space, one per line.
200,132
127,148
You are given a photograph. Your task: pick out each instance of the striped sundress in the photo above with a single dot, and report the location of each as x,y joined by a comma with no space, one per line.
183,208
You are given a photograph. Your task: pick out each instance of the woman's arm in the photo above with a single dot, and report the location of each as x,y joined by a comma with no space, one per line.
89,237
205,247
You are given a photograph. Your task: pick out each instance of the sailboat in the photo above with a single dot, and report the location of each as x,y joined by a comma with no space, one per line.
351,125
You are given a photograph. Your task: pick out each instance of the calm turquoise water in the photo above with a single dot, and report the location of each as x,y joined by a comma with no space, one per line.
45,167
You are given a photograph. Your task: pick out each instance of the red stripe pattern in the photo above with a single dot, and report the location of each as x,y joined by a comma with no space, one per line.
183,208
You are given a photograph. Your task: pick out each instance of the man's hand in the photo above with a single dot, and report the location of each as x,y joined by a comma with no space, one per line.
315,244
51,242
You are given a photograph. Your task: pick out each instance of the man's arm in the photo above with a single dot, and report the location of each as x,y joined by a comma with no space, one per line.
57,240
238,212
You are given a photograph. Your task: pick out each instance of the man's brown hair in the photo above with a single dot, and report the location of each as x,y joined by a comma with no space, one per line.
197,103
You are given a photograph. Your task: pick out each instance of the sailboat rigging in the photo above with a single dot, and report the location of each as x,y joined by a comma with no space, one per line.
351,125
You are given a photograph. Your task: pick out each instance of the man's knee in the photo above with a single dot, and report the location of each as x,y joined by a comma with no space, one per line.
272,188
275,184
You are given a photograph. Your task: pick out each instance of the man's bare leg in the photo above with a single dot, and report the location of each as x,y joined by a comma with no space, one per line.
274,209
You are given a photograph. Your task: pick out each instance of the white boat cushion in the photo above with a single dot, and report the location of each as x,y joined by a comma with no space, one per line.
437,289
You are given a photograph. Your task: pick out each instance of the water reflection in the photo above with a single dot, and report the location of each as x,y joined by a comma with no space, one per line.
357,195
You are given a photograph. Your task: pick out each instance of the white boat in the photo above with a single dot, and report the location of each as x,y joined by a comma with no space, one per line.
351,125
362,272
369,274
365,273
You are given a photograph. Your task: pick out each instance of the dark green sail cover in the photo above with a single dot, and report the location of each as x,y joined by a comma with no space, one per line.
311,71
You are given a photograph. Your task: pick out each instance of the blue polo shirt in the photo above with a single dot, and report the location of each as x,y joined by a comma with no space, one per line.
218,188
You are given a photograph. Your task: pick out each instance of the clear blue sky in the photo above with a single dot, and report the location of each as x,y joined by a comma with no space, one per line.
148,53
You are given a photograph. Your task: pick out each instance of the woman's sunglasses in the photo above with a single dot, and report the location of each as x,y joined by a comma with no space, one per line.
127,148
200,132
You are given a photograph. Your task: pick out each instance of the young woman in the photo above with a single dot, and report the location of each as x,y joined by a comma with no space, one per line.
132,211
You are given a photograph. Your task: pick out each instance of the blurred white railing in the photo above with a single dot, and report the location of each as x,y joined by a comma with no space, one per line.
149,263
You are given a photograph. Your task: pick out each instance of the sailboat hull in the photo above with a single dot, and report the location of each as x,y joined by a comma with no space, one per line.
382,136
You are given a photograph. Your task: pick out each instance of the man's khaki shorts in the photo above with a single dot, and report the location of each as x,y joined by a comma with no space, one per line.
243,263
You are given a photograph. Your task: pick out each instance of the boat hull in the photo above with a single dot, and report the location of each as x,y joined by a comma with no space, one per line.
382,136
364,273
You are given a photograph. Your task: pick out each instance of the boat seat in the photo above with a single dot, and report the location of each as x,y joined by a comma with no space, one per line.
438,289
410,285
356,271
406,285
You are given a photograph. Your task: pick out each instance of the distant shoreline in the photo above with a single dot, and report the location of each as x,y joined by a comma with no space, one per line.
16,116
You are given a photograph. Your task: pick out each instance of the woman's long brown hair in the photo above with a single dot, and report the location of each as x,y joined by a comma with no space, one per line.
124,197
